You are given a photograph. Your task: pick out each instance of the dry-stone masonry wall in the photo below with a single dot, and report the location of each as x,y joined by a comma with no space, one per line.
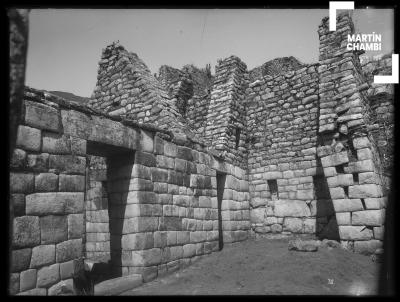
156,172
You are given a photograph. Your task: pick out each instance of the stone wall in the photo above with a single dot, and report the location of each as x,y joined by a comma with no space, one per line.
347,149
282,121
161,196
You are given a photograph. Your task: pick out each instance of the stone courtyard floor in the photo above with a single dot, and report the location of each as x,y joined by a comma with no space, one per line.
267,267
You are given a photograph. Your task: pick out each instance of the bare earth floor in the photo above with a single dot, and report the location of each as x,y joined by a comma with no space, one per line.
267,267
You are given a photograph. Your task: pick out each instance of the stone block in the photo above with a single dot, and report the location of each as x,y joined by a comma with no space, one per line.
22,182
75,226
337,193
27,279
365,153
379,232
368,217
46,182
141,258
184,153
54,203
20,259
71,268
367,247
63,288
18,159
294,225
138,241
68,164
343,218
347,205
335,159
273,175
28,138
48,275
361,142
309,225
292,208
303,245
34,292
305,194
256,202
26,231
53,229
257,215
18,203
170,149
340,180
365,191
13,286
146,141
71,183
145,159
42,116
69,250
56,144
38,162
43,255
367,178
349,232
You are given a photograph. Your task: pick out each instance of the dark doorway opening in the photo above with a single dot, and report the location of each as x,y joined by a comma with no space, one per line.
220,193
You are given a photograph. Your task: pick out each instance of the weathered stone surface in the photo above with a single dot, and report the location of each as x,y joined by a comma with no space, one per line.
43,255
38,162
294,225
68,164
257,215
18,159
46,182
347,205
303,245
335,159
365,191
18,203
21,182
20,259
54,203
42,116
71,183
28,138
309,226
26,231
142,258
368,217
367,247
379,232
13,286
75,226
69,250
138,241
27,279
63,288
71,268
56,144
53,229
343,218
34,292
291,208
354,233
48,275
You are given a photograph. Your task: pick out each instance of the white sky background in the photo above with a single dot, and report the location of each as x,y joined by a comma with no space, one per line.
65,44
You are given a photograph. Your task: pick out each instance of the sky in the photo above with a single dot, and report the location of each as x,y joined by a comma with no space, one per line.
65,45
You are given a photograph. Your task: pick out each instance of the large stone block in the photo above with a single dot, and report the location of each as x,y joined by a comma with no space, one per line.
367,247
20,259
42,116
71,268
146,141
27,279
18,203
138,241
368,217
257,215
53,229
309,226
354,233
294,225
379,232
48,275
63,288
56,144
145,159
29,138
340,180
43,255
347,205
38,162
75,226
54,203
46,182
26,231
361,142
337,193
335,159
71,183
365,191
69,250
293,208
68,164
141,258
22,182
343,218
256,202
273,175
305,194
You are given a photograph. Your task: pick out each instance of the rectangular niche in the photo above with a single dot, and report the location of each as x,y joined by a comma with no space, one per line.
273,188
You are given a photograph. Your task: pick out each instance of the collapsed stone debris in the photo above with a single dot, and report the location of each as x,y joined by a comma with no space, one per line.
157,172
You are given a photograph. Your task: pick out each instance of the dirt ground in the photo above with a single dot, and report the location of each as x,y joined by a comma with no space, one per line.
267,267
